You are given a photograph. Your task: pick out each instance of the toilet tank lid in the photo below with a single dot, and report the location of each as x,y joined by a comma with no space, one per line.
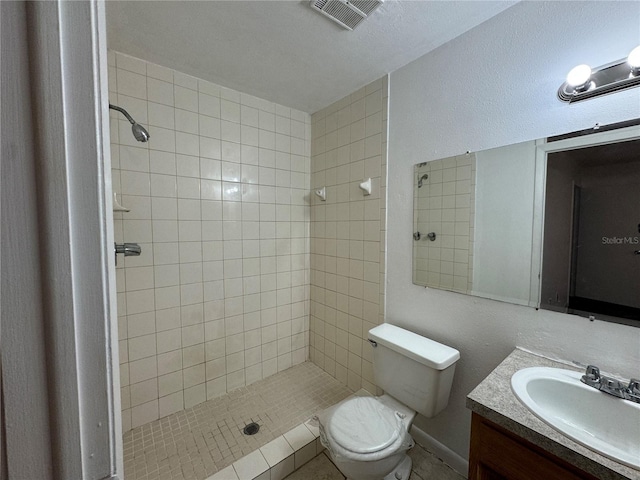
419,348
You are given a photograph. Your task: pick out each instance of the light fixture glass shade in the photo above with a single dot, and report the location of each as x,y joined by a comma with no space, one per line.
579,77
634,60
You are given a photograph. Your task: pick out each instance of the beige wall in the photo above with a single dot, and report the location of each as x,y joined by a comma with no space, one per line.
349,143
219,297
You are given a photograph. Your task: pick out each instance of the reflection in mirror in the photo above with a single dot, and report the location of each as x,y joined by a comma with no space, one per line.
443,218
503,258
480,207
549,224
591,262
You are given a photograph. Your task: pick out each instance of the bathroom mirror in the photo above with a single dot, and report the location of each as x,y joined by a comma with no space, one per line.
552,224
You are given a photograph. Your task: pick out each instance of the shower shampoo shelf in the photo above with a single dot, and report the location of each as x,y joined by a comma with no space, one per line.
116,205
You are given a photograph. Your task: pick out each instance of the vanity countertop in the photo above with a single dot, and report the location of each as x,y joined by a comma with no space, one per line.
494,400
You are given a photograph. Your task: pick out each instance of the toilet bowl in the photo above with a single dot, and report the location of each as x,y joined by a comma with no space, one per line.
368,437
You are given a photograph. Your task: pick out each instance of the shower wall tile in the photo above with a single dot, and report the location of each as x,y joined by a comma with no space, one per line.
446,205
348,145
220,296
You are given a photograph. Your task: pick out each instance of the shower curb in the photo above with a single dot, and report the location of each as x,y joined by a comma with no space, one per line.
278,458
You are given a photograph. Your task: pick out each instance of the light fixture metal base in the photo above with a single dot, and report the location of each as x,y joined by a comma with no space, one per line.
605,79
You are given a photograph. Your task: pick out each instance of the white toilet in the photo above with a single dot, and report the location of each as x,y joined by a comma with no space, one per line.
368,437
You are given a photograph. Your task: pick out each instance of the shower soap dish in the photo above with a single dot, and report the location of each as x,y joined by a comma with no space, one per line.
365,186
116,205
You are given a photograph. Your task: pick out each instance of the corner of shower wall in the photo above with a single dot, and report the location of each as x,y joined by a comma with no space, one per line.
348,233
219,199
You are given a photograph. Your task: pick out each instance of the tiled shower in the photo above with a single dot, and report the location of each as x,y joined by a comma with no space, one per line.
243,272
219,201
348,233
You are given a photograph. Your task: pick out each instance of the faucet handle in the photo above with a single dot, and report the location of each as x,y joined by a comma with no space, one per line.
594,371
613,387
591,376
633,390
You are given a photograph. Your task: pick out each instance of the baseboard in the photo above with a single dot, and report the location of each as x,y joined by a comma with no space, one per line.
441,451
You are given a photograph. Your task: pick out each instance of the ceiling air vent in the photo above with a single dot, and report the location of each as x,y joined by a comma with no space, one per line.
348,13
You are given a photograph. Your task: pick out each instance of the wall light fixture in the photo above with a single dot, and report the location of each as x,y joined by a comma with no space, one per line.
583,82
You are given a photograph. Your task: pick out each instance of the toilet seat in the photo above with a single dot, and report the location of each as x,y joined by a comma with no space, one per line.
363,425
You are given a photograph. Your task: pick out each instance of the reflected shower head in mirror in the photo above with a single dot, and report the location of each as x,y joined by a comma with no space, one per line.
139,132
423,177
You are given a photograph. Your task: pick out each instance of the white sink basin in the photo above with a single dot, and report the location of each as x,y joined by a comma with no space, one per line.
601,422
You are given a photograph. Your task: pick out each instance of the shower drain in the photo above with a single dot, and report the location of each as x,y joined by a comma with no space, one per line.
251,429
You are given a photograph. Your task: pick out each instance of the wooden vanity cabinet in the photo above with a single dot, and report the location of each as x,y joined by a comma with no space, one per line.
497,454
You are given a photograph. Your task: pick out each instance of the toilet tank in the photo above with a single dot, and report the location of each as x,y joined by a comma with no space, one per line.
413,369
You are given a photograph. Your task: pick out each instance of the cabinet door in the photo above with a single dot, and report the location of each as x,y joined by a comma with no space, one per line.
497,454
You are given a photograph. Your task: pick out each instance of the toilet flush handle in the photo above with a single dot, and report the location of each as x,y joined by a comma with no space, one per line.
373,343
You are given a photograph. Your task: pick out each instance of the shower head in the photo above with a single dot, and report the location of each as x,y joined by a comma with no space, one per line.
423,177
139,132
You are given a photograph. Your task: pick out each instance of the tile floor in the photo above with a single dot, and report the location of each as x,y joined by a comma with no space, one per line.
195,443
426,466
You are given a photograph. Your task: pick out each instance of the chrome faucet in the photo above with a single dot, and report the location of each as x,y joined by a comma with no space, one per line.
129,249
633,390
592,376
611,386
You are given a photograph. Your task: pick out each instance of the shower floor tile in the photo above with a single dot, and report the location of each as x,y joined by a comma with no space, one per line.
197,442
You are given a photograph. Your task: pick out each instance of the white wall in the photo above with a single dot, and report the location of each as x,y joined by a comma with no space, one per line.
26,429
504,222
493,86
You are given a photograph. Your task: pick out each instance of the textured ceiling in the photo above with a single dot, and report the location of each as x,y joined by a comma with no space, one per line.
284,51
